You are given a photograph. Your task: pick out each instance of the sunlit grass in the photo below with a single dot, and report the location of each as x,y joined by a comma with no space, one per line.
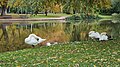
50,15
83,53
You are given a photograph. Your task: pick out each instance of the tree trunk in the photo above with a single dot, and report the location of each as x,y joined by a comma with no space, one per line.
3,9
36,12
3,26
45,12
73,11
8,9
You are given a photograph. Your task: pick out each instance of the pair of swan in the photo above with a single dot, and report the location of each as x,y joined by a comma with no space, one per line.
96,35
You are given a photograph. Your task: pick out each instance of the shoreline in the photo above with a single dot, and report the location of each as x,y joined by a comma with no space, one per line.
37,19
34,19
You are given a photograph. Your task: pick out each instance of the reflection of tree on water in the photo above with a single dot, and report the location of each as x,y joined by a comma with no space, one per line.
25,26
60,32
115,32
75,33
5,34
114,28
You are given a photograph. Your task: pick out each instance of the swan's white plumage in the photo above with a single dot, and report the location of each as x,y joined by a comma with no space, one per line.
102,37
93,34
48,44
32,39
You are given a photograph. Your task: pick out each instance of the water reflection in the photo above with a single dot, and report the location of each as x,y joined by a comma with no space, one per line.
4,33
12,35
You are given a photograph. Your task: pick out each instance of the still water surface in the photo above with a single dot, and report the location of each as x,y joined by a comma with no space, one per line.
12,34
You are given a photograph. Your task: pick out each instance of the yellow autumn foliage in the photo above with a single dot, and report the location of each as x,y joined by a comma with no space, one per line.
57,8
3,2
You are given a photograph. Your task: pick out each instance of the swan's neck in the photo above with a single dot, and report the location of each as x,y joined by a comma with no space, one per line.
33,36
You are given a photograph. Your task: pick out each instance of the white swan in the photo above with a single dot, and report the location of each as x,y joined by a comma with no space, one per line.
33,40
103,36
48,44
93,34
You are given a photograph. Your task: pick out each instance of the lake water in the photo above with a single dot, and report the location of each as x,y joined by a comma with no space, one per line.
12,34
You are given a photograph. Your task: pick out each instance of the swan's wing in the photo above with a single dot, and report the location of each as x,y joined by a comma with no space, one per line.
105,37
91,32
26,39
35,36
92,35
31,41
97,35
101,38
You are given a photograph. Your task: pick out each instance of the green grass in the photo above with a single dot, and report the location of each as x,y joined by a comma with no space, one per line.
50,15
79,54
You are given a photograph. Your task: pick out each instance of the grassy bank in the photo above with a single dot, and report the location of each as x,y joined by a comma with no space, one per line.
79,54
50,15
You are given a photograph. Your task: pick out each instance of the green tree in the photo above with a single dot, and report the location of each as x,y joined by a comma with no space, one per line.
3,4
47,5
116,5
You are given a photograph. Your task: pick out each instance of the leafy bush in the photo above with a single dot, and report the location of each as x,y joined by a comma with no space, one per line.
82,16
